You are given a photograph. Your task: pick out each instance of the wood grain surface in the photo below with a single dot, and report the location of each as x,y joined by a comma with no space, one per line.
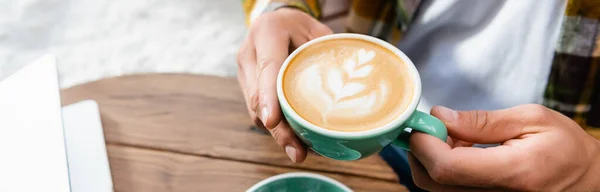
136,169
163,120
594,132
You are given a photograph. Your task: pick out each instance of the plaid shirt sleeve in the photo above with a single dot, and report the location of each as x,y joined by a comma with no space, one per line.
254,8
574,83
385,19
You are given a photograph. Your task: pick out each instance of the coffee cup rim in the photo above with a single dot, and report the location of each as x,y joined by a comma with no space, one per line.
298,174
400,119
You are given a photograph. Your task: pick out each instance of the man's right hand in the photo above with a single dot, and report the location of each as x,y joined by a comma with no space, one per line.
272,36
541,150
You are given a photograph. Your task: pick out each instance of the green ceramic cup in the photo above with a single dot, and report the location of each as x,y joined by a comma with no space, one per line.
299,182
356,145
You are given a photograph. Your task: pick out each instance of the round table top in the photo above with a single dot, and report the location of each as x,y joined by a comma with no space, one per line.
178,132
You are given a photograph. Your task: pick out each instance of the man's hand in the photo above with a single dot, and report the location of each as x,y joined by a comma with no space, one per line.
268,44
541,150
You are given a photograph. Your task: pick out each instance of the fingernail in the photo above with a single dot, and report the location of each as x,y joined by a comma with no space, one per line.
291,152
264,115
447,114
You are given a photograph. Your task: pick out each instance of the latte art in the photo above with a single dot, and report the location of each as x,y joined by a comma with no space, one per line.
347,85
341,91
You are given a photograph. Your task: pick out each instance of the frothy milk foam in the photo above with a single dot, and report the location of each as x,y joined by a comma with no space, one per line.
348,85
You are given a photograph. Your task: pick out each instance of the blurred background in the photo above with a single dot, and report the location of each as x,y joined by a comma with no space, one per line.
95,39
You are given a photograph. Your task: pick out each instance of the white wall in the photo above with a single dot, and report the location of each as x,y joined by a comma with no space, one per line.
94,39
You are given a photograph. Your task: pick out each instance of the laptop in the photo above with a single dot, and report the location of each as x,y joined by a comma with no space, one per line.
45,147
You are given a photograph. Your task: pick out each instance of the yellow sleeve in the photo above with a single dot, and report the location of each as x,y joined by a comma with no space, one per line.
254,8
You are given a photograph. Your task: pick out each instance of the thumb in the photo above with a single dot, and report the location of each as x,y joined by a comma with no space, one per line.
487,127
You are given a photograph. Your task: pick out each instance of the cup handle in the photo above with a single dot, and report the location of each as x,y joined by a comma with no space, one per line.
421,122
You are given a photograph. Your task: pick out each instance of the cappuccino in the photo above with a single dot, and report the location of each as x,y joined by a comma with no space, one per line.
348,85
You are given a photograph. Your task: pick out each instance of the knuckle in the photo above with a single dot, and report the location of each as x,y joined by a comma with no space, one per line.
270,23
535,112
263,63
253,101
276,133
479,119
482,117
535,108
242,55
320,29
280,135
265,19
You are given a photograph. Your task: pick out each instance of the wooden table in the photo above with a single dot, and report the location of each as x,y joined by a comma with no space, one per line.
594,132
173,132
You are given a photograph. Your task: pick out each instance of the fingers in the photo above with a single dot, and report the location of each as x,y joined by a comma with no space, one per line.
319,30
489,127
424,181
270,39
311,29
285,137
271,52
457,143
478,167
247,78
466,166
